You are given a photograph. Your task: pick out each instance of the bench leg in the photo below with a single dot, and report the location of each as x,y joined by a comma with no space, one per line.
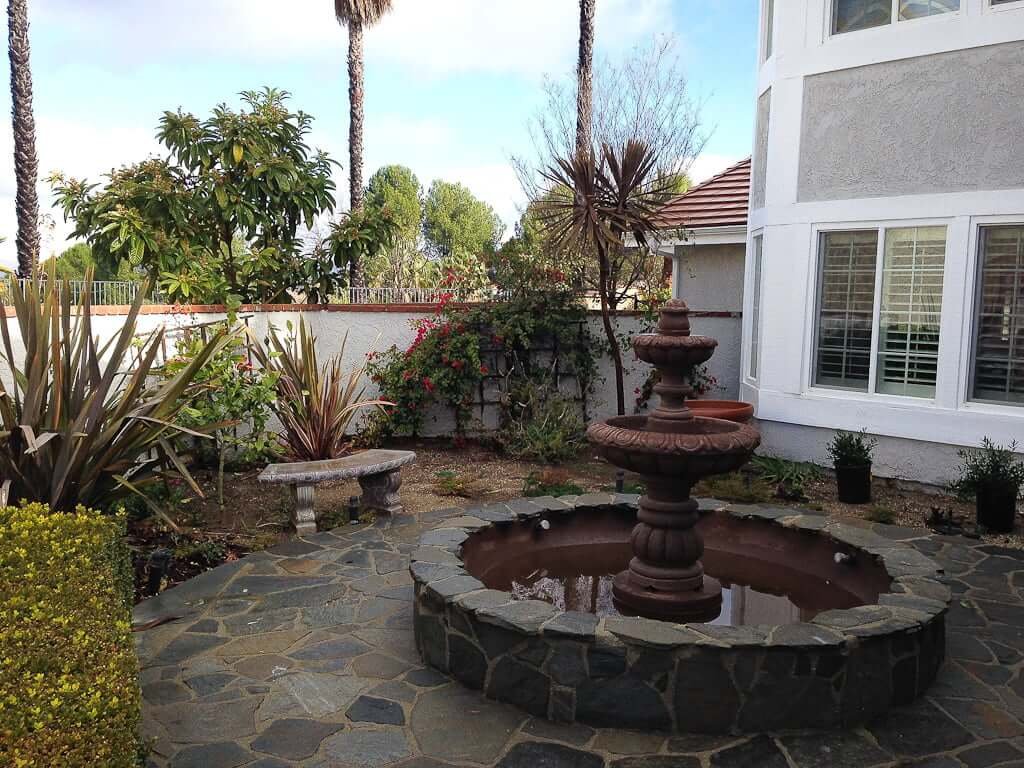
305,517
380,492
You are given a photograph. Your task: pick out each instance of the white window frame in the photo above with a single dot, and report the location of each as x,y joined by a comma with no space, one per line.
767,29
754,324
830,18
971,297
990,7
811,340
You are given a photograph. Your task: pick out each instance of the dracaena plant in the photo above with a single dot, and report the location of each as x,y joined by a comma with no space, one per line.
315,403
605,208
85,422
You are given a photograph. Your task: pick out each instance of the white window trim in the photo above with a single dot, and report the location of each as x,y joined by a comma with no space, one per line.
989,7
973,286
767,30
748,313
830,18
811,320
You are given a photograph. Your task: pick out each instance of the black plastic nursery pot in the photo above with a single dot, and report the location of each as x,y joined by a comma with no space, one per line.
854,484
997,506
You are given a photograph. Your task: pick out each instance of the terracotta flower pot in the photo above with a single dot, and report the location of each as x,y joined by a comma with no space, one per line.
730,410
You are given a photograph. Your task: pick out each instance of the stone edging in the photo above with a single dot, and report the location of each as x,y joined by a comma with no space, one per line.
842,669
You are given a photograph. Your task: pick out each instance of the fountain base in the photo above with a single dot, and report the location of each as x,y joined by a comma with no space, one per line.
633,599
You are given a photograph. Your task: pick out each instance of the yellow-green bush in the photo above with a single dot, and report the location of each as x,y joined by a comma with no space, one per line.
69,692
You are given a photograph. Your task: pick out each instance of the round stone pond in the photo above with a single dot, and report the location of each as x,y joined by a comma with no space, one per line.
824,624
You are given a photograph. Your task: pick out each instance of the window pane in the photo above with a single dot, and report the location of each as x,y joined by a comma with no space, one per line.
755,322
846,298
851,15
918,9
911,304
769,26
999,317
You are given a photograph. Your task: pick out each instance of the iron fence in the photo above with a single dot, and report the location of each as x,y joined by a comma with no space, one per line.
100,292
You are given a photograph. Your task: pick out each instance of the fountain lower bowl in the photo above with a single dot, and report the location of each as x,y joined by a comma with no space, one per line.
838,641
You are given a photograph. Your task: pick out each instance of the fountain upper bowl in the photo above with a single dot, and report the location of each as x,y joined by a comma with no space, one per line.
703,447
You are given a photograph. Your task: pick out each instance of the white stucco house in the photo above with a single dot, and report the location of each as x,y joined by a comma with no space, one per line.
884,284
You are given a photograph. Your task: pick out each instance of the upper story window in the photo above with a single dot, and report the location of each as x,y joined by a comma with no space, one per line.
852,15
769,28
878,310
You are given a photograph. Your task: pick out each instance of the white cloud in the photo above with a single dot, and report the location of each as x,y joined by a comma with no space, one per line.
706,166
428,37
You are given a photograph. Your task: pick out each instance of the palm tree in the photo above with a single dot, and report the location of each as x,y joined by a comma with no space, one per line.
585,76
26,164
355,14
615,197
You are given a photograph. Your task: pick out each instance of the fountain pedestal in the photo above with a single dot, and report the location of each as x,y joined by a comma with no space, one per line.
672,450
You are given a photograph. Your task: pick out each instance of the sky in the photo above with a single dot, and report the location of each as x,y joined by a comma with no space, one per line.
450,84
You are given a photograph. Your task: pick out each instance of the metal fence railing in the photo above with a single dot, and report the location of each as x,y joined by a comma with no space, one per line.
101,292
410,295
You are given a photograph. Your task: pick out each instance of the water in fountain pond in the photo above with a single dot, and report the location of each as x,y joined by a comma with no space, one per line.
752,592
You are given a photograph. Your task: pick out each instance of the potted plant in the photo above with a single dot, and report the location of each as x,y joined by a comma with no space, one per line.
851,456
992,476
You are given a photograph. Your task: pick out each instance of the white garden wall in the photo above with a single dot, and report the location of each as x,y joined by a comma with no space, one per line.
377,328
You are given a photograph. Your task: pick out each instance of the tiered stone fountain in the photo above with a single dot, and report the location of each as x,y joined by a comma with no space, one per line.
672,450
597,609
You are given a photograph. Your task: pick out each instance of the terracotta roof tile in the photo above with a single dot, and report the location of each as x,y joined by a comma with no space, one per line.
721,201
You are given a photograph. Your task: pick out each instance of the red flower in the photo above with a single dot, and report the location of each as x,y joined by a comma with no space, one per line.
428,384
484,370
457,365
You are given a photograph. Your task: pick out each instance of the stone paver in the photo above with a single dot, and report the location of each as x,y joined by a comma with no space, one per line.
304,656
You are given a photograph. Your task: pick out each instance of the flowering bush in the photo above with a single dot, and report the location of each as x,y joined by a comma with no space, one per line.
69,694
459,348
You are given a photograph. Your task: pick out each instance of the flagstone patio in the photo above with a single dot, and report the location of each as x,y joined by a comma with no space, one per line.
304,655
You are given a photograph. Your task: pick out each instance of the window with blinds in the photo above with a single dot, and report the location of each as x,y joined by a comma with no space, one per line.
909,311
846,295
852,15
755,309
999,317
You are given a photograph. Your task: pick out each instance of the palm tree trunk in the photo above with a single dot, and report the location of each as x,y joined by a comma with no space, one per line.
355,133
585,77
26,164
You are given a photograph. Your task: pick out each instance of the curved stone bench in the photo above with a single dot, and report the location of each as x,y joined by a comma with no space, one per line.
378,472
843,668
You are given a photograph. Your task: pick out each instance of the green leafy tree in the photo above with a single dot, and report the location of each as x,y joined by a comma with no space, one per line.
396,190
218,219
455,221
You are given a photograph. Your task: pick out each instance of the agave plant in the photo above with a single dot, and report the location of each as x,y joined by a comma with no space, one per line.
315,404
83,422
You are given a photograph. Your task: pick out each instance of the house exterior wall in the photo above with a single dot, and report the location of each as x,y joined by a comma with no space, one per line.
856,141
713,288
856,138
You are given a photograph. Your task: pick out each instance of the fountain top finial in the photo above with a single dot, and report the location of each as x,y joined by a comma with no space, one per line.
674,318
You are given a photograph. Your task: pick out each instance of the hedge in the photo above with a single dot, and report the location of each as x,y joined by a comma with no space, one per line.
69,692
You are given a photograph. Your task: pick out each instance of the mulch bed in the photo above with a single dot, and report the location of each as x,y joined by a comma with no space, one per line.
255,516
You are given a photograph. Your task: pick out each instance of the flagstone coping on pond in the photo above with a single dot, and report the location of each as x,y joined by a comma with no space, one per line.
844,668
209,711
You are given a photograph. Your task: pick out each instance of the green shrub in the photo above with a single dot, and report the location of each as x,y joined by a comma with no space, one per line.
69,694
550,483
540,424
790,478
851,449
990,465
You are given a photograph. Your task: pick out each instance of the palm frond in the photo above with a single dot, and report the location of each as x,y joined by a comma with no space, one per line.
366,12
